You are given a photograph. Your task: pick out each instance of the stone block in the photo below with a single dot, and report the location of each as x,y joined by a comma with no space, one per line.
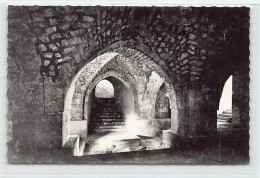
56,36
58,55
88,19
53,21
183,41
49,12
37,17
77,32
192,36
75,40
79,128
86,26
204,35
185,61
53,47
68,49
44,38
51,30
64,43
42,47
47,55
184,55
194,43
70,18
64,26
170,139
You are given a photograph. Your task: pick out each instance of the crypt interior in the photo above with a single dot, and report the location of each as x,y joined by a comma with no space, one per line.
140,85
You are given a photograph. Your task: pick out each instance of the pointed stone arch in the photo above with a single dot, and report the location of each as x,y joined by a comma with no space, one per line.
106,75
132,62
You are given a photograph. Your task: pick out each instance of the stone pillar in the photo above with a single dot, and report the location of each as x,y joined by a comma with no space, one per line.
240,97
197,118
202,114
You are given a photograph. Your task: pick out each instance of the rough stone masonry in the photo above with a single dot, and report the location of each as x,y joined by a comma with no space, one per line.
195,48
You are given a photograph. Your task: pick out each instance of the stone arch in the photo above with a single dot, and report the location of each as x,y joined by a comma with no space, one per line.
230,79
124,55
147,51
85,74
75,95
98,62
96,80
104,89
225,102
122,93
149,98
171,95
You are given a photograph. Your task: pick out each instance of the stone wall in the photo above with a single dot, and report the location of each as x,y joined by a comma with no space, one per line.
194,47
35,102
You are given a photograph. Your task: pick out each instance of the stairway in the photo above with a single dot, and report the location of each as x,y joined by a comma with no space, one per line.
107,132
106,116
226,116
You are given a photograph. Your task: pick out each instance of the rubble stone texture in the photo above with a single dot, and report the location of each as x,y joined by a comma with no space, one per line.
194,50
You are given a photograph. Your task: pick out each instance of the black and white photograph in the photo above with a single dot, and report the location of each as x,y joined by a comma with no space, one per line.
141,85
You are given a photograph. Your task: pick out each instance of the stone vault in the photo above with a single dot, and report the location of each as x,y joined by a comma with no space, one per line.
56,56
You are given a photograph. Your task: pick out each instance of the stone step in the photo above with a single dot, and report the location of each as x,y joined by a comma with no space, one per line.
109,115
108,130
225,120
108,119
110,126
109,109
97,125
227,116
106,114
227,112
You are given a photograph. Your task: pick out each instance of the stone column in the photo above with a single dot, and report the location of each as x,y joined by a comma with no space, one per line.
202,113
197,118
240,97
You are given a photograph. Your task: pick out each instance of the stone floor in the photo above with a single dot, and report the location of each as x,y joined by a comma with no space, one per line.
111,142
231,147
120,141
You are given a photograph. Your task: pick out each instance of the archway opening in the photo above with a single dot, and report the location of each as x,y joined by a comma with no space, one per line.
107,128
104,89
162,106
225,104
105,111
111,106
133,92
